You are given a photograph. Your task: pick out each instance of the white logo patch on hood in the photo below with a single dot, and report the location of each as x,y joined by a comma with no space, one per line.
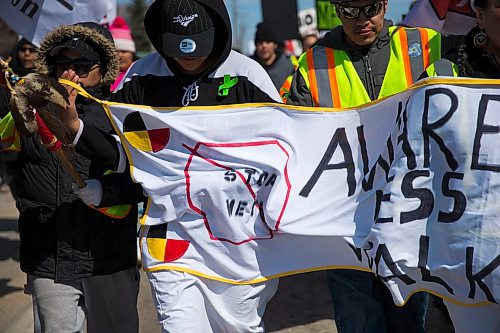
184,20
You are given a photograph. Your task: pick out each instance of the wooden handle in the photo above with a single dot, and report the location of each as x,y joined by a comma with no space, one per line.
70,168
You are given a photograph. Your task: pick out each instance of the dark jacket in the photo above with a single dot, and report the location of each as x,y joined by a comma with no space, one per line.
473,61
279,70
155,80
62,238
149,78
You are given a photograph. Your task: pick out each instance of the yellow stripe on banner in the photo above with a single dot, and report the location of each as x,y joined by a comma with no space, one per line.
80,90
419,84
139,140
422,83
146,211
316,269
105,106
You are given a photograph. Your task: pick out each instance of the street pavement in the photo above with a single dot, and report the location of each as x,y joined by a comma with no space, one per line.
301,305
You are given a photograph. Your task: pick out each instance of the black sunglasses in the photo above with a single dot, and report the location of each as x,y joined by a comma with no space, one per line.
24,49
352,13
81,66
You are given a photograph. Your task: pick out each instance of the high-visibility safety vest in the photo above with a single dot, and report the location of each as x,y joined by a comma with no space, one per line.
285,88
9,136
442,67
333,81
118,211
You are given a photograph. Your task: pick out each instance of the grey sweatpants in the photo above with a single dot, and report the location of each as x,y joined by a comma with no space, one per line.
109,302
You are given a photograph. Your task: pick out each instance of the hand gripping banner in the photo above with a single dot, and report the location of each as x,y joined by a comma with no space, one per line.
407,187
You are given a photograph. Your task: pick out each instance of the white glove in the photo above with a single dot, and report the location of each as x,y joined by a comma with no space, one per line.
90,194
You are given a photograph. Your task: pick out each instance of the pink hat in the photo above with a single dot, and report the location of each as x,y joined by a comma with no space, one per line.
122,35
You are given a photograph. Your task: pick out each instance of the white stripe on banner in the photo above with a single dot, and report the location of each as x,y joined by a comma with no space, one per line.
407,187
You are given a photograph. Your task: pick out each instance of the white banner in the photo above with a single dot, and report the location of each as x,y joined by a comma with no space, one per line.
455,17
33,19
407,187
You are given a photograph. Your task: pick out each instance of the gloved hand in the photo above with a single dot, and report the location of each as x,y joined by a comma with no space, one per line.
90,194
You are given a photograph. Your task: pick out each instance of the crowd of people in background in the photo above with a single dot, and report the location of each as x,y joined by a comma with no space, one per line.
94,276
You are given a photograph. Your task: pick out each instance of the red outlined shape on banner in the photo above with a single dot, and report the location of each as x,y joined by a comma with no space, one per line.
195,153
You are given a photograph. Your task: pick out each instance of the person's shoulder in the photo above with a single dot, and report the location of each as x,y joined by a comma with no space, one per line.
153,63
251,73
239,64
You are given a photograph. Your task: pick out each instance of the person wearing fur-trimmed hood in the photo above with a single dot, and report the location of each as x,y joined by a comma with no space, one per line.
81,264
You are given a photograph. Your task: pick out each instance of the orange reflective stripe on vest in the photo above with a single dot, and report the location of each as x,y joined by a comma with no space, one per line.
415,50
322,77
285,88
311,73
329,70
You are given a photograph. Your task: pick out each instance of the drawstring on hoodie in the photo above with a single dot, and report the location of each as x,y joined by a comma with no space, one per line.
190,93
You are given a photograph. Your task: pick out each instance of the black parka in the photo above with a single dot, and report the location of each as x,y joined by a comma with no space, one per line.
61,237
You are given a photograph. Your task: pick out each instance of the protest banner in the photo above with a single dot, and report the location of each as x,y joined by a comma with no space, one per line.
406,187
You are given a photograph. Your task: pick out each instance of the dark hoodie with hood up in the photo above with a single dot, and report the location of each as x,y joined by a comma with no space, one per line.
150,78
61,237
10,157
18,68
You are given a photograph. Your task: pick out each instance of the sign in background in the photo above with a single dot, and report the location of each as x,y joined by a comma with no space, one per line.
282,14
307,22
33,19
326,14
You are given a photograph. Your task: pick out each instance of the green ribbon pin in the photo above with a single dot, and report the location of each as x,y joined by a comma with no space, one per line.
226,85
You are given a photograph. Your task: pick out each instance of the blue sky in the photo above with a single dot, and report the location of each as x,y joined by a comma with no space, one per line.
248,14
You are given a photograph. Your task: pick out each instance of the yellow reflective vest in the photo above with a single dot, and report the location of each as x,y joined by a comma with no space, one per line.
9,136
333,81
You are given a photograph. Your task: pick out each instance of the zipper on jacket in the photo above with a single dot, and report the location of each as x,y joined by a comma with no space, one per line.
370,83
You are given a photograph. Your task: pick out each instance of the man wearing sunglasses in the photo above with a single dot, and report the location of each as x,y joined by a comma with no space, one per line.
81,264
22,63
365,59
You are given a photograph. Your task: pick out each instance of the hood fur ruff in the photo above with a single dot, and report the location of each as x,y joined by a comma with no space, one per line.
58,35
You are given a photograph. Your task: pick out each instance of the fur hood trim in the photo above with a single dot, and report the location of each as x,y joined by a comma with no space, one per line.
109,57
